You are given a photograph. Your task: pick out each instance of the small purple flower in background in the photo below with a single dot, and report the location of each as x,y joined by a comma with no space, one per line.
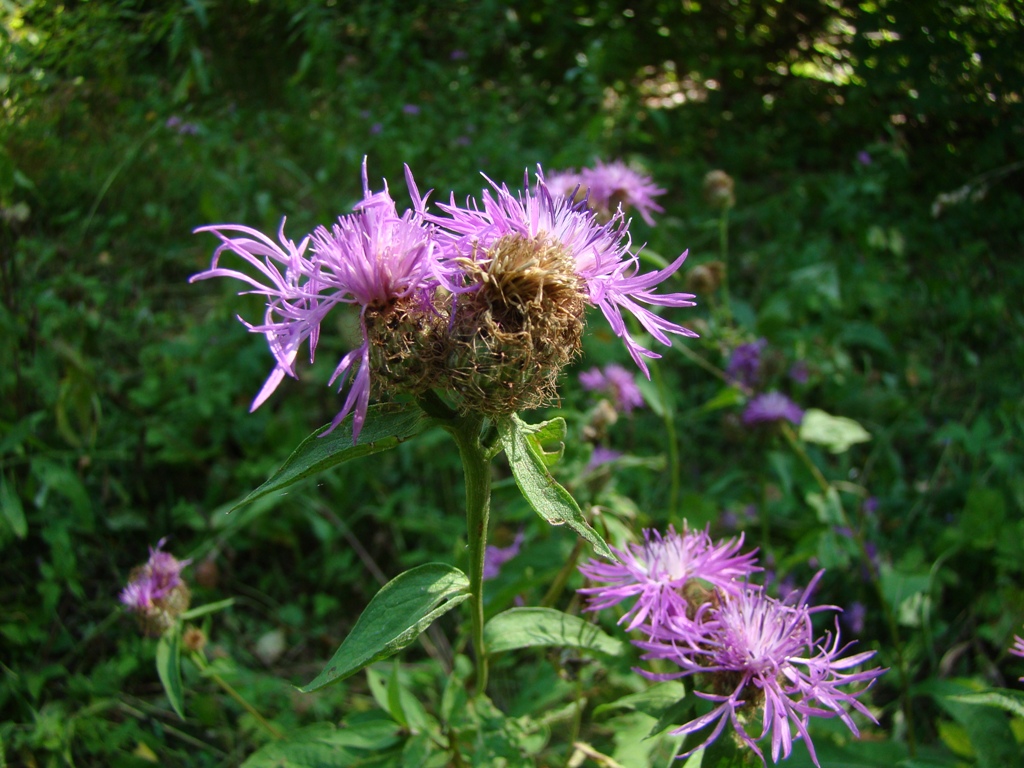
864,157
411,109
601,253
376,128
614,184
496,557
870,506
175,122
763,655
156,591
458,55
657,572
463,141
854,616
1018,648
772,407
799,372
172,122
744,366
602,455
616,382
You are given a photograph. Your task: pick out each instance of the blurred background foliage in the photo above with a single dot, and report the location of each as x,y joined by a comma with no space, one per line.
876,241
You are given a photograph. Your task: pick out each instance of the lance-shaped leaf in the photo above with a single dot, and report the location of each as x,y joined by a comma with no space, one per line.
548,499
532,627
396,616
386,426
168,667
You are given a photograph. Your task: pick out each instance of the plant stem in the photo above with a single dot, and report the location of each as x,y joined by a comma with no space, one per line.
723,250
199,658
476,466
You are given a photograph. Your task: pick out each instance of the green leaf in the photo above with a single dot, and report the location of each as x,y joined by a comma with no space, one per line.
988,730
727,397
202,610
837,433
325,746
13,512
1004,698
546,433
652,701
533,627
168,667
548,499
386,426
396,615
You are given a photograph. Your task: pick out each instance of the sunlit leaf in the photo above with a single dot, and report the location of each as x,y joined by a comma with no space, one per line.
534,627
386,426
547,497
396,616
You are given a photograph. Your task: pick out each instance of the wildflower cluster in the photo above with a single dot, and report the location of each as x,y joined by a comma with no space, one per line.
156,591
758,656
485,301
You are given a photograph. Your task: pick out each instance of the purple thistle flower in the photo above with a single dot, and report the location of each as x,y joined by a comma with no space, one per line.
496,557
657,571
411,109
616,382
614,184
772,407
854,617
1018,648
565,184
602,455
154,580
744,366
370,258
601,252
767,660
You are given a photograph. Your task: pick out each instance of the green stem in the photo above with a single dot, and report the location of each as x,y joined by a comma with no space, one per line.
668,405
476,466
199,659
723,250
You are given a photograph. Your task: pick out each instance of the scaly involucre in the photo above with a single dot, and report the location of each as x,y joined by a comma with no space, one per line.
762,659
601,253
371,258
657,572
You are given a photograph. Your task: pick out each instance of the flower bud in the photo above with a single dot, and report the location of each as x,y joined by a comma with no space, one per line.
718,190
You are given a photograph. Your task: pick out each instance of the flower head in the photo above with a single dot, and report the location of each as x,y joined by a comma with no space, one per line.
616,382
763,661
615,184
380,261
156,591
598,255
1018,648
772,407
744,366
659,572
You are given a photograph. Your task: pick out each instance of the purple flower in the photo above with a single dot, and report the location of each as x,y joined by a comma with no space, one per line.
457,55
614,184
566,184
371,258
411,109
601,253
854,616
864,157
1018,648
798,372
496,557
744,366
601,456
771,407
616,382
154,580
172,122
376,128
658,571
761,654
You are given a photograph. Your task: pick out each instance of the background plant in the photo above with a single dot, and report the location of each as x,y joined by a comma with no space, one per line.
125,391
